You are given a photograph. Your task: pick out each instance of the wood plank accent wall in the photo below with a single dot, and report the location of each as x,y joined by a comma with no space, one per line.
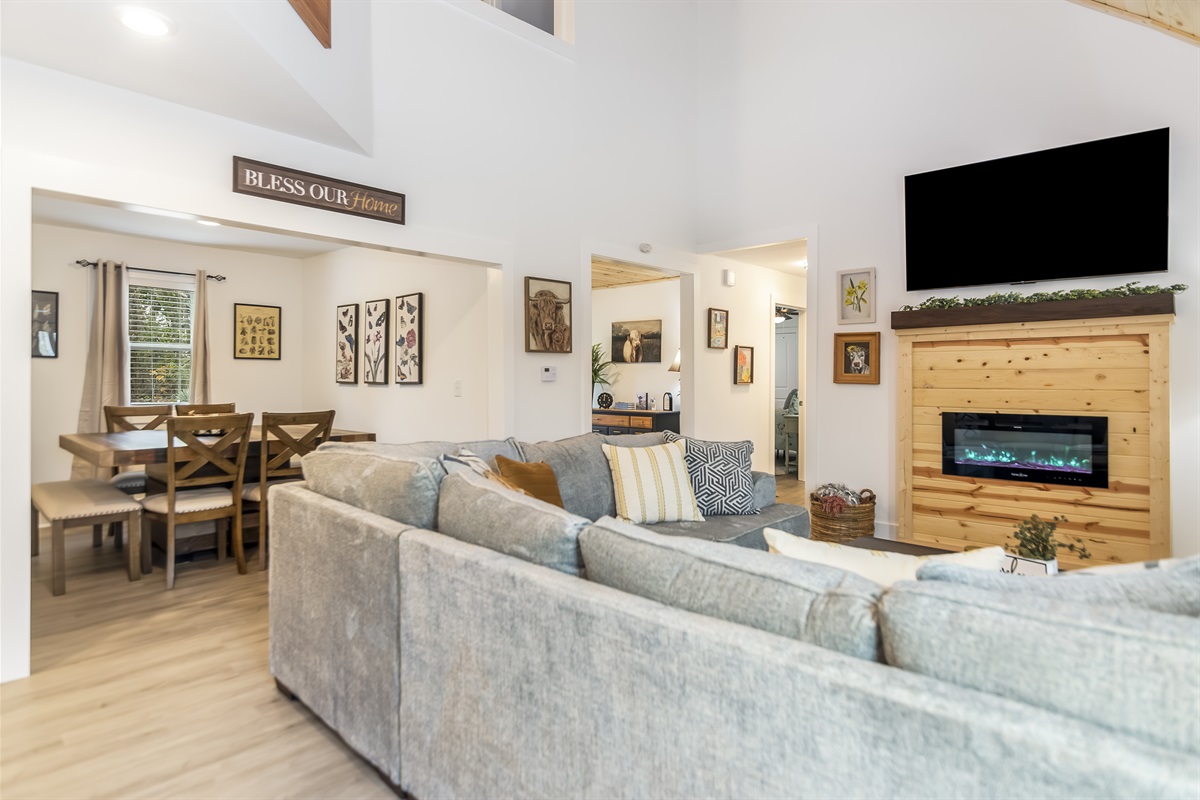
1117,368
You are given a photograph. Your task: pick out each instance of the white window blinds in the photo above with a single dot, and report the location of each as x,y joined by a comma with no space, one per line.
160,344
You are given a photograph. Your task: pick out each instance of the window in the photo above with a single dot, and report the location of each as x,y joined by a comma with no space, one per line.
159,326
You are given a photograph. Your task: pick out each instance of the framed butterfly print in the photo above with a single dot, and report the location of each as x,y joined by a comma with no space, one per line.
346,361
375,344
410,338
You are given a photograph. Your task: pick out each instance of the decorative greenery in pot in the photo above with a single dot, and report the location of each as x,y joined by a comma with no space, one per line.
1035,539
1012,298
600,367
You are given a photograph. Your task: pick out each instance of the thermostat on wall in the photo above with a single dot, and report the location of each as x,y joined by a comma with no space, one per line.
549,374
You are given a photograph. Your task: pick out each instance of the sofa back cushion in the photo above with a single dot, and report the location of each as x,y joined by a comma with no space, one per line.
404,489
1171,591
812,603
474,509
486,449
584,481
1128,669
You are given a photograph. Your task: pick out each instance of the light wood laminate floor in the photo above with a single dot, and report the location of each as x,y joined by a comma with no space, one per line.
138,692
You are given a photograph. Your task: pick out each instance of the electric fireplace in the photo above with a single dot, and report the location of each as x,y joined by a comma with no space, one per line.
1035,448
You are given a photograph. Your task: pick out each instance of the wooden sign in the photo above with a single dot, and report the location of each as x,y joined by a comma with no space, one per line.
306,189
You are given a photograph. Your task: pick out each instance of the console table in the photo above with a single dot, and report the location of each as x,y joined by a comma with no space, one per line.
617,421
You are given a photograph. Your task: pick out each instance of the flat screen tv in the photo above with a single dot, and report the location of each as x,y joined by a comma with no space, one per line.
1080,211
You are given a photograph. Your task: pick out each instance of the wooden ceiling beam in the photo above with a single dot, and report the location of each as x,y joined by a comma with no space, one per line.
318,16
1178,18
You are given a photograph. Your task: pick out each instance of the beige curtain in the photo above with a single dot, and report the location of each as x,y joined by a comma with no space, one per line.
105,380
201,391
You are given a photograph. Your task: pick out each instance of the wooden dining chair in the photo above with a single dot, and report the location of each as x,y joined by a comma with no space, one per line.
285,439
194,409
204,482
132,480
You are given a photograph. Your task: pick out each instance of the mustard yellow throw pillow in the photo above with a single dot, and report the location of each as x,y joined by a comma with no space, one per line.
652,483
536,479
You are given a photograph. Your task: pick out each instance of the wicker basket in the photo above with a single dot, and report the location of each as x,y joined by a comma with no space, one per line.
851,523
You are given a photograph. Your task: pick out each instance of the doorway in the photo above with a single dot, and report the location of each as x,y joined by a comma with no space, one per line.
787,412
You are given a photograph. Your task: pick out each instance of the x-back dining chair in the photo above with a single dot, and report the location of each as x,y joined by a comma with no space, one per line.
204,482
132,480
197,409
285,438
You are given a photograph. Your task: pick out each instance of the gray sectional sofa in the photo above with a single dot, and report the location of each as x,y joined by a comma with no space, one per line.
468,641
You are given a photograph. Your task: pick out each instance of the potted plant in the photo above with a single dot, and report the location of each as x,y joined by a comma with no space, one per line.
1036,546
600,368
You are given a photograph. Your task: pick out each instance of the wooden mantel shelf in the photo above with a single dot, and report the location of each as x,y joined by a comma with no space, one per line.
1090,308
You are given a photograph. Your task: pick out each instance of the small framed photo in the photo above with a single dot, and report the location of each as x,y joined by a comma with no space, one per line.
375,343
346,331
718,328
547,316
410,338
856,357
856,296
743,364
256,331
44,324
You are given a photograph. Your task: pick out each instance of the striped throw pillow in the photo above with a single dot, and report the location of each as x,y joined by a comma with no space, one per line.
652,483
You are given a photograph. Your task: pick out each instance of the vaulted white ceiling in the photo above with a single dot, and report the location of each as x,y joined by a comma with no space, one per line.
251,61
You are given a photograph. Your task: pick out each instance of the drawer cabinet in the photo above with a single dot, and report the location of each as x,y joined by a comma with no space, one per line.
614,423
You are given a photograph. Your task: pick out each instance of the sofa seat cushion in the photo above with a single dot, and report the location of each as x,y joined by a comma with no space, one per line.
1175,590
878,565
744,530
720,474
812,603
1127,669
652,483
401,488
535,479
480,511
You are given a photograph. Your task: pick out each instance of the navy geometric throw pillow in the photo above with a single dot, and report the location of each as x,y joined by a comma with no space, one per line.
720,473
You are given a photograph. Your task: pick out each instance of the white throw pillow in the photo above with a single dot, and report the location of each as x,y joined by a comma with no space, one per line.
877,565
651,484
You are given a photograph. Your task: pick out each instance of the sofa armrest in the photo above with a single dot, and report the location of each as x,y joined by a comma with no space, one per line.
764,489
335,617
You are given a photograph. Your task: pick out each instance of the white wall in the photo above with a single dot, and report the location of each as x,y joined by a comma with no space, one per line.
817,111
644,301
509,153
257,386
455,329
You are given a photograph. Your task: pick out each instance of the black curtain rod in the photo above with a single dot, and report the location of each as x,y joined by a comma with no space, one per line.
218,278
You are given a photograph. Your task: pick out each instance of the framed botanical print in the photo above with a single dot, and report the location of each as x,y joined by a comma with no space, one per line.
856,357
256,331
44,324
743,364
346,359
856,296
547,316
375,344
718,328
409,316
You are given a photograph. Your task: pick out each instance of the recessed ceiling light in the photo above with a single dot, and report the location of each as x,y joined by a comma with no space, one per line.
210,222
158,212
147,22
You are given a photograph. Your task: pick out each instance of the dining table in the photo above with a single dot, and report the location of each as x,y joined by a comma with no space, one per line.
134,448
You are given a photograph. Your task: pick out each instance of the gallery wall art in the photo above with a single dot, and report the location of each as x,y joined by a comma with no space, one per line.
346,358
375,342
856,296
45,324
256,331
718,328
410,338
856,357
743,364
637,341
547,316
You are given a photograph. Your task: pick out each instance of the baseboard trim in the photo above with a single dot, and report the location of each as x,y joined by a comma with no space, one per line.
887,530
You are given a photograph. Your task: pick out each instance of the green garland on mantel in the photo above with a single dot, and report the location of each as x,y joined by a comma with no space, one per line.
1012,298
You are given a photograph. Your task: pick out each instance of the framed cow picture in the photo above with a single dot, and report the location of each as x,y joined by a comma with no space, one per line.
547,316
637,341
856,357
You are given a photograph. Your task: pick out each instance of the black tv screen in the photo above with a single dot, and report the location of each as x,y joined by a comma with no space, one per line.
1080,211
